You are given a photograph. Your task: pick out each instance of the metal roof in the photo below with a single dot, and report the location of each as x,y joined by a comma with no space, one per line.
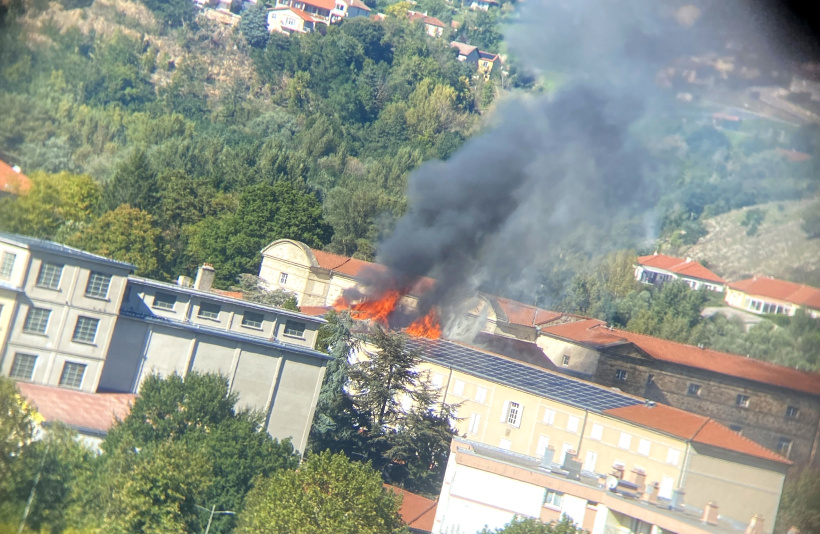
43,245
520,376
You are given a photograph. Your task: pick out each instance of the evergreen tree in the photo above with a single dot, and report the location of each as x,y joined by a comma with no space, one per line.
134,183
254,25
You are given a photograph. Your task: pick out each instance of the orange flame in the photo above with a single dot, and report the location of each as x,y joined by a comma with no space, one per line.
427,326
378,310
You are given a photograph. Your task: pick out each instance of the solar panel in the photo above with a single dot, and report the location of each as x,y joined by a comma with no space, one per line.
510,373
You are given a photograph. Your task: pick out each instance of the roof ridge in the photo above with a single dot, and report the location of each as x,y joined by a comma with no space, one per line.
740,437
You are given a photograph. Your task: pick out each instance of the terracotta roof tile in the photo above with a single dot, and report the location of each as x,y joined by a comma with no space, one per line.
87,411
584,331
464,49
692,427
321,4
12,181
432,21
487,55
765,286
358,3
315,311
417,511
304,15
680,266
231,294
356,268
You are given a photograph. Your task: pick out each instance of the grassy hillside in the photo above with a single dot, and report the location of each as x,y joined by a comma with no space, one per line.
778,248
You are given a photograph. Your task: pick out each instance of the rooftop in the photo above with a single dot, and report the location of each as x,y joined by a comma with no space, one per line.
12,180
93,413
432,21
296,11
765,286
321,4
684,267
356,268
357,3
43,245
464,49
417,511
489,56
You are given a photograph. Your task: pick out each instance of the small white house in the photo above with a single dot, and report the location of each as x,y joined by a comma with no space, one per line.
290,19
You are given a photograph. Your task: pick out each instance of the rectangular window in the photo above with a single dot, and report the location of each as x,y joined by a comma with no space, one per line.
553,499
252,319
36,321
7,265
572,424
566,359
475,419
86,330
283,278
23,366
458,388
208,310
513,414
50,274
437,381
480,395
694,390
644,446
792,412
98,284
784,446
549,416
543,443
164,301
624,441
742,401
293,328
72,375
597,432
673,456
620,374
590,461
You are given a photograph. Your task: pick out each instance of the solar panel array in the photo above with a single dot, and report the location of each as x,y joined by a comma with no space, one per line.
513,374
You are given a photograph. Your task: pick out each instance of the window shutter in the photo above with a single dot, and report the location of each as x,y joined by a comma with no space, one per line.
517,423
505,411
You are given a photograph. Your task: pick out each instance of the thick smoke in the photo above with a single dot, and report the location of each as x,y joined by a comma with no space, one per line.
554,169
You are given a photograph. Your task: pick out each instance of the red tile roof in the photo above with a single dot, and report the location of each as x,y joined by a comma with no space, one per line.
13,181
80,410
524,314
357,3
489,56
321,4
298,12
464,49
768,287
432,21
680,266
231,294
692,427
355,268
315,311
417,511
596,333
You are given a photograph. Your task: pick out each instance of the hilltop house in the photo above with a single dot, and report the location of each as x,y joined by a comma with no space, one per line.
349,9
769,295
290,19
433,26
486,62
657,268
483,5
319,10
12,180
466,52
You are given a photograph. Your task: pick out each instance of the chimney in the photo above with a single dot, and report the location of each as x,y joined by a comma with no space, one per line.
204,277
549,455
710,514
618,471
184,281
638,477
756,526
651,495
677,499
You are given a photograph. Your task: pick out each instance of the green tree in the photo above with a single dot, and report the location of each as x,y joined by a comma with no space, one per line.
800,505
134,183
172,12
253,289
533,526
254,25
15,428
328,493
124,234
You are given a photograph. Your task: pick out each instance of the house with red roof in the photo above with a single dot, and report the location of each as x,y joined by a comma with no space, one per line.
466,52
349,9
12,180
416,511
288,20
433,26
764,294
773,405
483,5
657,269
318,10
486,62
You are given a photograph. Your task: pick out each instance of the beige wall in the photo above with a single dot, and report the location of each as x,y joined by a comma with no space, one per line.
8,300
581,359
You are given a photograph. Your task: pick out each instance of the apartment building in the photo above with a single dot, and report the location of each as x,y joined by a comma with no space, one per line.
60,319
526,410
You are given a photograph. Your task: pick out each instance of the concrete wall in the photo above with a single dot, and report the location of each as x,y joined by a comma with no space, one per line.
581,359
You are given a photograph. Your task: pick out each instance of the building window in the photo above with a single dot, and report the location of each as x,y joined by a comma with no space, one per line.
294,328
694,390
549,416
86,330
673,456
23,366
644,446
98,284
72,375
208,310
784,446
512,415
50,274
480,395
543,443
625,440
742,401
7,265
620,374
736,428
566,359
252,319
458,388
572,424
437,381
36,321
283,278
553,499
475,419
164,301
597,431
792,412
